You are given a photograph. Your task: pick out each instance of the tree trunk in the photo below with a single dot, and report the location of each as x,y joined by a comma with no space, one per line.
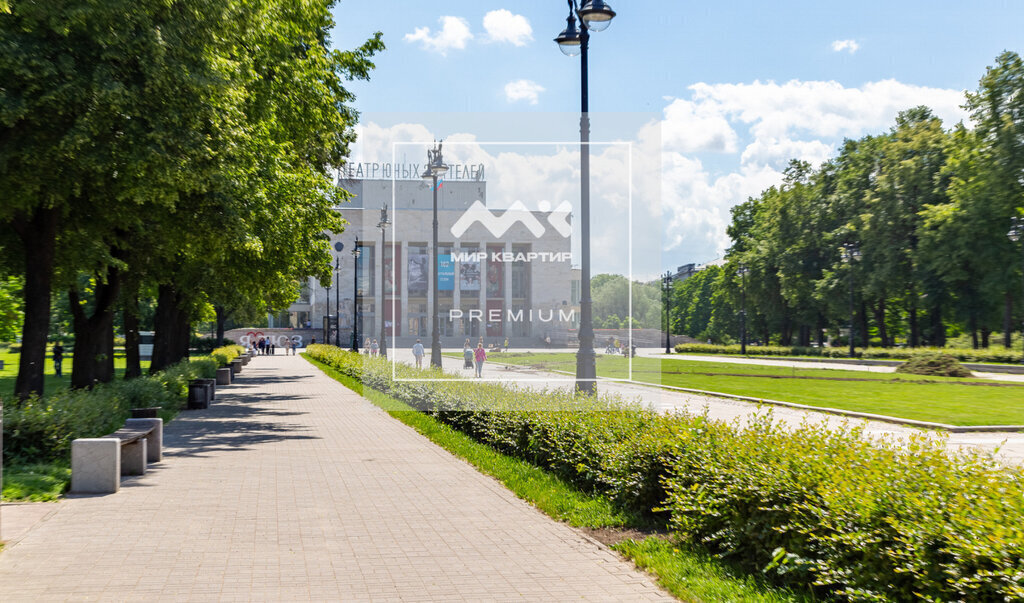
985,332
862,331
222,317
915,332
93,360
883,332
130,317
938,335
972,324
1008,321
819,330
38,234
170,343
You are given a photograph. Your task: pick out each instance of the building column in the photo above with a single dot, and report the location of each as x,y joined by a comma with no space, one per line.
456,293
431,318
506,293
403,285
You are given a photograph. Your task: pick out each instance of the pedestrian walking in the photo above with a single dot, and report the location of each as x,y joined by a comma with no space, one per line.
366,346
295,344
287,346
480,355
506,344
417,351
467,355
374,348
58,358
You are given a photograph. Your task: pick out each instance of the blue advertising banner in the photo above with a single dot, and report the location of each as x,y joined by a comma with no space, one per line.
445,273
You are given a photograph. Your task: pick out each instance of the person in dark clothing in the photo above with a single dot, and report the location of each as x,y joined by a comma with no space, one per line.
58,358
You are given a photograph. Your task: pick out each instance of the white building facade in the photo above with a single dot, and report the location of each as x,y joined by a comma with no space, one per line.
503,273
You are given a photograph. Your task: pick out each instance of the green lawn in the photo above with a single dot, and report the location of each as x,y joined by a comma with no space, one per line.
52,382
938,399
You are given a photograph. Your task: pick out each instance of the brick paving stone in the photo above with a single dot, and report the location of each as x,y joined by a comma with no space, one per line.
292,488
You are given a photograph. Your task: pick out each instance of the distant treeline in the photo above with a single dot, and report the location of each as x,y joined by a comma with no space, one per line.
909,227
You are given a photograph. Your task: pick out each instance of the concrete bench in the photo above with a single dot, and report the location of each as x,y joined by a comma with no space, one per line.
97,464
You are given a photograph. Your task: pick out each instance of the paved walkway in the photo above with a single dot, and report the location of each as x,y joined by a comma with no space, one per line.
1008,447
293,488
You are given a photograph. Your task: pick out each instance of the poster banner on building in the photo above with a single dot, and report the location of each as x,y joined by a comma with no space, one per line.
445,273
495,273
469,276
392,269
418,274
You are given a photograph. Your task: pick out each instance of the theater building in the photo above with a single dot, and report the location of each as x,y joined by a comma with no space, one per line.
503,271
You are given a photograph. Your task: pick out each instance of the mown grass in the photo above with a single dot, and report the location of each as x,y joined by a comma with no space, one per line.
937,399
38,482
687,574
51,383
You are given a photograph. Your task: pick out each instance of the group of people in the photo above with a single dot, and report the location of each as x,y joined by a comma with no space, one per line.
616,347
371,347
477,356
265,346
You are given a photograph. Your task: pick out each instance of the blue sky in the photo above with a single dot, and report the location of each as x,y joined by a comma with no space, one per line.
739,86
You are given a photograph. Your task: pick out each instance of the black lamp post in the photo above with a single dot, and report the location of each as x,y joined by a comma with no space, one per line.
355,297
667,288
327,321
1016,235
851,253
383,225
743,309
594,15
435,169
339,246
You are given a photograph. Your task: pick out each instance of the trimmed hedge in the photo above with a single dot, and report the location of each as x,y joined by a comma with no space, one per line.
225,354
862,519
40,430
999,355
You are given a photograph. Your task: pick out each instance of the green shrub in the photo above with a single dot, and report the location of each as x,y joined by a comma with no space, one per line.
225,354
40,430
937,365
860,518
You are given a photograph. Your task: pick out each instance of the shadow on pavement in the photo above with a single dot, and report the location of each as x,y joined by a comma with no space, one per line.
239,418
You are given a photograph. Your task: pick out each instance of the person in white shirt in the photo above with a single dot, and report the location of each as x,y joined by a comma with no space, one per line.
417,351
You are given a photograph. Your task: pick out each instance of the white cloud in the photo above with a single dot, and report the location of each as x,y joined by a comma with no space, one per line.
692,127
850,46
454,34
523,90
504,26
764,124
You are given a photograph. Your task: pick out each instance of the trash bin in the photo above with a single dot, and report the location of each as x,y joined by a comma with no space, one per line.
197,395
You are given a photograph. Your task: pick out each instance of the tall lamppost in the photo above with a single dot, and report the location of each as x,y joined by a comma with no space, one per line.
355,297
435,169
667,288
383,226
339,246
594,15
327,320
1016,235
850,253
743,309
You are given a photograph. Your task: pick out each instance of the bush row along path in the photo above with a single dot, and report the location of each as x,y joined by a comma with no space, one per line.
1010,445
292,487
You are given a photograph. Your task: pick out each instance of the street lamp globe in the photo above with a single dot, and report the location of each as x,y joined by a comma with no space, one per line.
596,15
569,40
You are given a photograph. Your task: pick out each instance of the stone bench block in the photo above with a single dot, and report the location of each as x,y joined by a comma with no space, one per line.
133,457
154,441
95,465
224,376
